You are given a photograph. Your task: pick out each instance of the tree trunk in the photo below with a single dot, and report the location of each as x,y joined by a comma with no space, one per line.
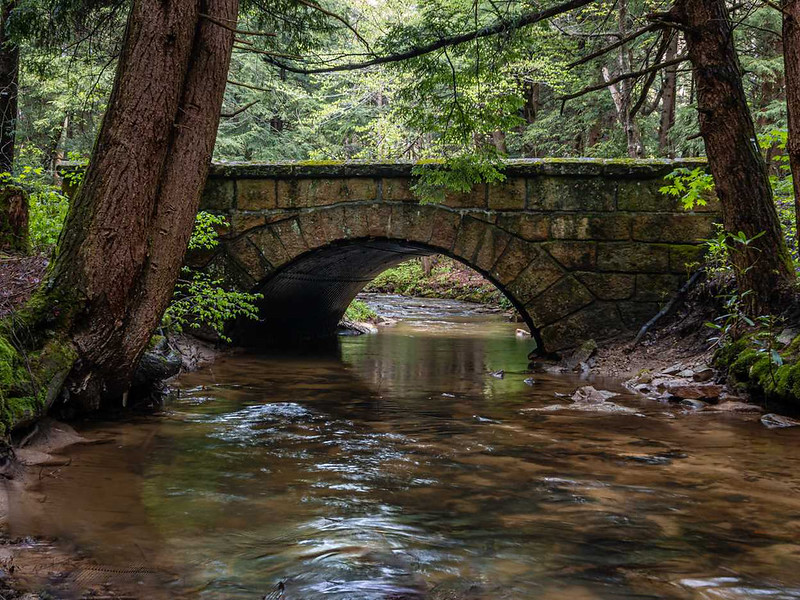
668,98
9,79
763,267
791,59
128,226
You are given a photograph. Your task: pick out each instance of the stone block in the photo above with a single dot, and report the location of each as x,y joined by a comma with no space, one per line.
412,222
379,220
609,286
249,258
603,227
685,258
294,193
682,228
290,236
656,287
632,258
356,222
538,272
529,226
553,193
643,196
334,223
445,229
636,314
509,195
256,194
476,198
469,238
573,255
270,247
562,298
396,189
312,224
218,194
597,321
491,249
232,273
242,222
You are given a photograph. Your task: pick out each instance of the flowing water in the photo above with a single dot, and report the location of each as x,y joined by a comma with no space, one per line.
396,466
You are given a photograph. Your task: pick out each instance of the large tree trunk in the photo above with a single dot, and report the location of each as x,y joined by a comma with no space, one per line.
739,171
128,226
9,79
791,59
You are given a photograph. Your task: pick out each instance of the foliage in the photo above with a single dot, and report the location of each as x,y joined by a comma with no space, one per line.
48,206
692,186
359,312
200,300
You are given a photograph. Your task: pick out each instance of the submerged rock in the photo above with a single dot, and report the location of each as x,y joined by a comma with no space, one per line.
589,395
498,374
735,406
529,381
773,421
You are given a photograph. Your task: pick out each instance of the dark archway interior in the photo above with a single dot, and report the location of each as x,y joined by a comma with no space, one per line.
307,298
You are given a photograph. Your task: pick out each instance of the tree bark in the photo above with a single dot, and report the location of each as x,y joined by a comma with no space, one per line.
668,99
123,242
9,80
764,266
791,59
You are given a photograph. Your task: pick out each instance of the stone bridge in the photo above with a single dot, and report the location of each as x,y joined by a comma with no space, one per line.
582,248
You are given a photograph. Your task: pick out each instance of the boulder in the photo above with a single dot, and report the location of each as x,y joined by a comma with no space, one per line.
695,391
773,421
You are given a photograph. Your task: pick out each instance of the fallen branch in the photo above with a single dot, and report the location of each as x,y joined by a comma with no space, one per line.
670,305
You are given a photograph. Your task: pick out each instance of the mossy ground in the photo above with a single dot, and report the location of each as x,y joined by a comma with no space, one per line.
759,373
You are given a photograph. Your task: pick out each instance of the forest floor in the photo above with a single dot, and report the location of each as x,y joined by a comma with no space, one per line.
19,277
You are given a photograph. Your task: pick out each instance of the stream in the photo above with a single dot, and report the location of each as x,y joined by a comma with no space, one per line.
396,466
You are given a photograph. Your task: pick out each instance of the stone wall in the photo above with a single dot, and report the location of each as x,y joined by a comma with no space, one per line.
583,248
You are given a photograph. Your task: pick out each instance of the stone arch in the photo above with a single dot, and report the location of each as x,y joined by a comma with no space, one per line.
311,263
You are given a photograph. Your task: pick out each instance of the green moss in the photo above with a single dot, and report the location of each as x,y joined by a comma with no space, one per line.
320,163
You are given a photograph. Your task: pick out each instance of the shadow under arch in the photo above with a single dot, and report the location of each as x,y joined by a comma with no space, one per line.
305,299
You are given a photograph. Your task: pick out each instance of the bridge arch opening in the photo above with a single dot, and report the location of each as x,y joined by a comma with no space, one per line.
306,298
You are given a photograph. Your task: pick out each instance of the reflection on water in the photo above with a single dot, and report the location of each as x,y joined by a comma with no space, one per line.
400,469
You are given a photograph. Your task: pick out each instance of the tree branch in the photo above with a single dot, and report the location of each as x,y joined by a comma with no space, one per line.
617,44
248,86
216,21
339,18
454,40
632,75
238,110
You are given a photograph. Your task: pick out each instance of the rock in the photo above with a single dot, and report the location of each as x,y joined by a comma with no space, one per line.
694,404
733,406
773,421
581,355
703,373
498,374
787,336
157,364
446,395
529,381
673,370
696,391
521,333
356,328
590,395
687,373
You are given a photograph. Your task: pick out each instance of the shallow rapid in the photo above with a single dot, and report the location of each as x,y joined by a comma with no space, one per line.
398,466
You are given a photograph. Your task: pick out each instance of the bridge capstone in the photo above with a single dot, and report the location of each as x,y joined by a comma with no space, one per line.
582,248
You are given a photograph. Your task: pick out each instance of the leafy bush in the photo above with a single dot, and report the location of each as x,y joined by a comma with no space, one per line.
48,206
201,301
359,312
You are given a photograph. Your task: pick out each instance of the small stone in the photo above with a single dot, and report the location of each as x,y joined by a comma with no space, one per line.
498,374
673,370
703,373
733,406
686,373
529,381
693,404
773,421
787,336
589,395
521,333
